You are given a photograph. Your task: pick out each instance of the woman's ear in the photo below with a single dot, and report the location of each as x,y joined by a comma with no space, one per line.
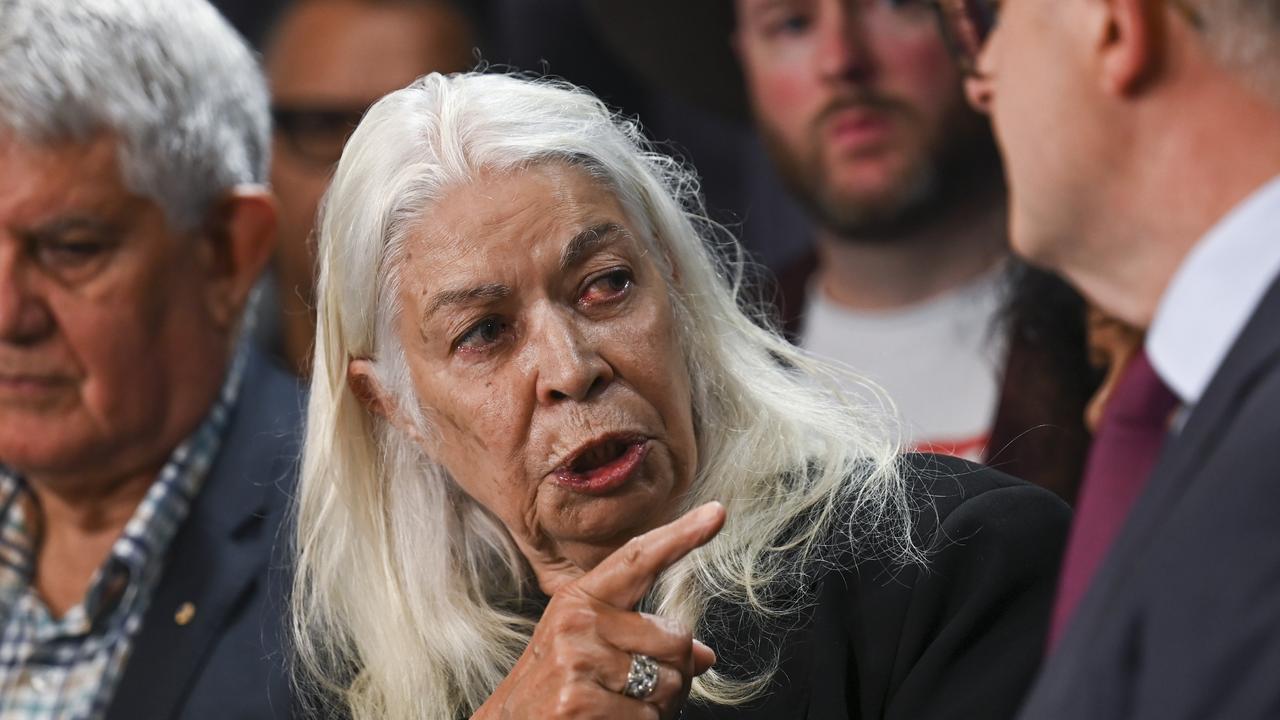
362,378
365,386
239,237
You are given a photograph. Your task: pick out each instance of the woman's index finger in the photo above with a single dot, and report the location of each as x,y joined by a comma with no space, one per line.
626,575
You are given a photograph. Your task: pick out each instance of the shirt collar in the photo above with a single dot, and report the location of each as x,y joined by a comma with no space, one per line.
1214,292
136,555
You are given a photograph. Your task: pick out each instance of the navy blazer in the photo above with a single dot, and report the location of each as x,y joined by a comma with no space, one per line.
211,643
1183,617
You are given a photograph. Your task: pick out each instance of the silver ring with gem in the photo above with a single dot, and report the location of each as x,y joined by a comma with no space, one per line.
642,678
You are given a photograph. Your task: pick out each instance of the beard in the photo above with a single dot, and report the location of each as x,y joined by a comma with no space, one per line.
941,167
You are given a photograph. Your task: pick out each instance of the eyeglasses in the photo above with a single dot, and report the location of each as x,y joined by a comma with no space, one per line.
316,134
966,25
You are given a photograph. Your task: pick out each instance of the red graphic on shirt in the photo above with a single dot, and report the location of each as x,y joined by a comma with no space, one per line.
973,448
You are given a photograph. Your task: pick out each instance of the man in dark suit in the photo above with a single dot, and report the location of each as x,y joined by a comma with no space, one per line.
144,450
1142,143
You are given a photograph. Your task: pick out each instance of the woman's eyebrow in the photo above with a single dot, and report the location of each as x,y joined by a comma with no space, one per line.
588,241
488,291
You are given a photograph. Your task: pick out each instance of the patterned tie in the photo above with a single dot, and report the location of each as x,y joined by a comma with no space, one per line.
1125,449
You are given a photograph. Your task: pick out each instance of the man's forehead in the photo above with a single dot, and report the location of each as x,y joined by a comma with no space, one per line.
744,7
46,179
345,51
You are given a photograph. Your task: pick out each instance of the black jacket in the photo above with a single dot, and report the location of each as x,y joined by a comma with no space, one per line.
959,638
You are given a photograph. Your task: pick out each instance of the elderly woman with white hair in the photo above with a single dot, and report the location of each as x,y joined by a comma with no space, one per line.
554,469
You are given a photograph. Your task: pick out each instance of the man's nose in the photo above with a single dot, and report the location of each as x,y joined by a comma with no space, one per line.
24,318
569,365
841,51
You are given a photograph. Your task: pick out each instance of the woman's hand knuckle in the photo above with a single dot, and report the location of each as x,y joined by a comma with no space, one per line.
633,552
678,634
565,657
572,701
572,620
683,635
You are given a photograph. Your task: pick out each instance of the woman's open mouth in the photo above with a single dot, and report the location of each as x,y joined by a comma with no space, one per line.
603,465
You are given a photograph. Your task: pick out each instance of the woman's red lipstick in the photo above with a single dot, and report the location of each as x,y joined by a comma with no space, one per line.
603,466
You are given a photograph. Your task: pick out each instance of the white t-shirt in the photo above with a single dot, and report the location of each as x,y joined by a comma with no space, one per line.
939,361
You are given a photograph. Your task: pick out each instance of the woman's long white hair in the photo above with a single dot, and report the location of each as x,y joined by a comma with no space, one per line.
404,602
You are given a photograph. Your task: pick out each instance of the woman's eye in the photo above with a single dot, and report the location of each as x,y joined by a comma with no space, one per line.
609,286
483,334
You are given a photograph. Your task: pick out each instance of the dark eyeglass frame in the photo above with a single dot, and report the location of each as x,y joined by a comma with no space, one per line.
292,122
966,25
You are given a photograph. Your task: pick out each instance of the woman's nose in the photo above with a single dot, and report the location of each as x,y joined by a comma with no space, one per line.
569,365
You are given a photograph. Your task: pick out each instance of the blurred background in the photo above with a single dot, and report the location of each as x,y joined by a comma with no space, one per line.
562,38
982,356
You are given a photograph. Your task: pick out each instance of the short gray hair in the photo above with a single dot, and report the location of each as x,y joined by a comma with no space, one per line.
170,79
1244,37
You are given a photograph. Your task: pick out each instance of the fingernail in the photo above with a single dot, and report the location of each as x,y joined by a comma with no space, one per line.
706,647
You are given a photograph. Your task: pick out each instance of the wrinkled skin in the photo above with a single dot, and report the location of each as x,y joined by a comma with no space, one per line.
535,319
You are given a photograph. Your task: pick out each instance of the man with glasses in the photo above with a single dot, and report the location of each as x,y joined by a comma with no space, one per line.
327,61
1142,144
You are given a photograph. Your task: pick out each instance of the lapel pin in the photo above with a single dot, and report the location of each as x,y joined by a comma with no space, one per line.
186,613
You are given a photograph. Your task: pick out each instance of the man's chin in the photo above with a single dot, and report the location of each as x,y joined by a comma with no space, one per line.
862,217
875,202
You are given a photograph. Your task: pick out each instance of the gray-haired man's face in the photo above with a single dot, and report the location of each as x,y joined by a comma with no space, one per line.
113,329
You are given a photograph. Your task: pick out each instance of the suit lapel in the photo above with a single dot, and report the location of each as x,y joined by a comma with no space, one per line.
216,561
1256,351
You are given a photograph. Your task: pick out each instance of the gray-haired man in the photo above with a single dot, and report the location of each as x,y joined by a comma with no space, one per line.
141,445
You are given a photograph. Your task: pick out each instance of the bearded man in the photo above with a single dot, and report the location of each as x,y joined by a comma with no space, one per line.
862,110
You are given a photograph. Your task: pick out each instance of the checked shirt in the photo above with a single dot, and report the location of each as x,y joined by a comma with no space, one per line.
67,668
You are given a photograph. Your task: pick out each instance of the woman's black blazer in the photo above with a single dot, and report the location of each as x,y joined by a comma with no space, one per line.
960,637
